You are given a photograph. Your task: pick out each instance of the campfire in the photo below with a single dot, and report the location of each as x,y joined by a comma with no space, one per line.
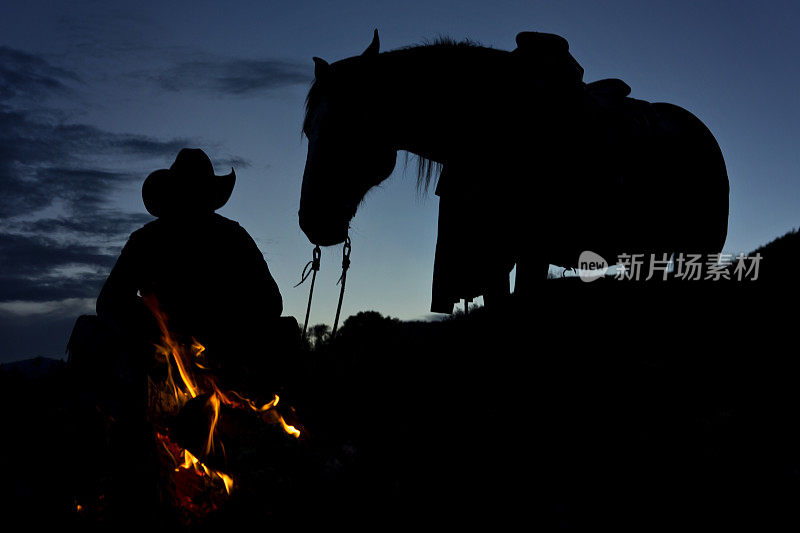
195,483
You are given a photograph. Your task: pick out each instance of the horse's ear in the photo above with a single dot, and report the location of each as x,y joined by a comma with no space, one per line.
320,68
374,47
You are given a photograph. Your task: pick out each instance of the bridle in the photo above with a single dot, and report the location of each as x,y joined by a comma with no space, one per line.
311,269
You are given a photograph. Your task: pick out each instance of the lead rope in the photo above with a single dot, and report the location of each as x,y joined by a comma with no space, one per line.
311,269
343,279
314,267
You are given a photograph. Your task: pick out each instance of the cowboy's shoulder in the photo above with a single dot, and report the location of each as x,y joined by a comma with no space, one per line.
148,229
144,237
235,233
226,224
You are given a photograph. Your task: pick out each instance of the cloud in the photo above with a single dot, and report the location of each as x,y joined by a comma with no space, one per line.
233,162
234,77
36,255
59,234
38,268
105,224
42,162
23,308
27,75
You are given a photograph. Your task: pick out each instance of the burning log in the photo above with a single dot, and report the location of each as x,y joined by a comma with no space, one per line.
188,406
178,438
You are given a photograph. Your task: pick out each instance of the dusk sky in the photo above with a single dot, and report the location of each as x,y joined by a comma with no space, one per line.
95,95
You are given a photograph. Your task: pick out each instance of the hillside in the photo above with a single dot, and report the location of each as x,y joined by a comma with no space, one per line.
781,256
633,405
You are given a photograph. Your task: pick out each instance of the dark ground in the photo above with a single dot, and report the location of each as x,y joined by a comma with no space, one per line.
627,405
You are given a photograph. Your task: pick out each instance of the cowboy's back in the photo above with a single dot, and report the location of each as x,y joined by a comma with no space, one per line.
206,272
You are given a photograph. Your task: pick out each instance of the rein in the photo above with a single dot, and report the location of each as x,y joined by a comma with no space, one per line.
314,268
311,269
343,279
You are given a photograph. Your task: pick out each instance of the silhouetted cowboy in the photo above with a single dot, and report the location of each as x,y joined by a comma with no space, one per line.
206,272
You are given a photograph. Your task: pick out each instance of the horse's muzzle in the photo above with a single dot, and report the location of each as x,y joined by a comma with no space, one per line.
323,231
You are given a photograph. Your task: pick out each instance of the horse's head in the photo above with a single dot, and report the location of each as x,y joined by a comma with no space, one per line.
348,151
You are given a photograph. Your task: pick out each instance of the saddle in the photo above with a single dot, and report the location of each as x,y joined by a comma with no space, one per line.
610,89
549,54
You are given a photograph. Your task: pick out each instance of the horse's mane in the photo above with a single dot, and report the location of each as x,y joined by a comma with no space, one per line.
427,170
443,41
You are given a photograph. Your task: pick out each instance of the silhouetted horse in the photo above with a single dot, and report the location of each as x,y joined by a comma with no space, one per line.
547,165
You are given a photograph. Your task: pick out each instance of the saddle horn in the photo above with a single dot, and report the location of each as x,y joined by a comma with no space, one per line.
547,42
550,53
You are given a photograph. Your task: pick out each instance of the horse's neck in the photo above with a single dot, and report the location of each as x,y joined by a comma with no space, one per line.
436,112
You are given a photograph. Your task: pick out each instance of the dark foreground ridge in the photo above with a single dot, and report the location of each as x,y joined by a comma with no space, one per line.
634,405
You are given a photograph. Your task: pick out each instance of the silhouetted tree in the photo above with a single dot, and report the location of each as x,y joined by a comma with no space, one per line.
366,321
319,333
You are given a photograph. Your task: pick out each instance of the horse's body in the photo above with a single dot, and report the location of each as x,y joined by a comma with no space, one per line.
547,165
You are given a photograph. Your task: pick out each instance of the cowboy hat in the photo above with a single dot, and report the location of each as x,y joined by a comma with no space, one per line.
188,186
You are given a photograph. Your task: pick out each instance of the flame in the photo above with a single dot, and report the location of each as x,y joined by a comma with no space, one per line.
214,402
193,463
291,430
172,346
182,360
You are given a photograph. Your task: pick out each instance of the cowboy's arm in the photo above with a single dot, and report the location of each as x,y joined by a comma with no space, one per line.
266,289
118,301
